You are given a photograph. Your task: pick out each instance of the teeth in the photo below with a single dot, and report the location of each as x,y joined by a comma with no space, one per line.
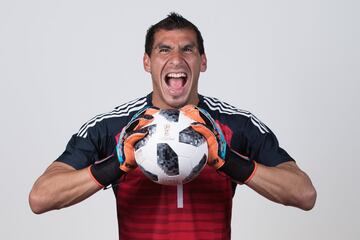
176,75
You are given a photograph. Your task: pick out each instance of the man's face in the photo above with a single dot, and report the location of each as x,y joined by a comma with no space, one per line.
175,65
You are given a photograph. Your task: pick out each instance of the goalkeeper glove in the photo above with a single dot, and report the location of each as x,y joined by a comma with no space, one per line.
221,156
108,170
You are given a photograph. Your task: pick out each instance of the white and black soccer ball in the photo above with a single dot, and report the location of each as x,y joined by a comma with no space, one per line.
172,153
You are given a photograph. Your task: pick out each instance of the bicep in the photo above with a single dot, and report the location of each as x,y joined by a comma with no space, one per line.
58,167
289,165
292,168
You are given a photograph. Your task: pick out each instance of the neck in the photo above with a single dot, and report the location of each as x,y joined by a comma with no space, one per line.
160,103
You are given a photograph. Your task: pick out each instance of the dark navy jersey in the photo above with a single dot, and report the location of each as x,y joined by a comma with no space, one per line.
147,210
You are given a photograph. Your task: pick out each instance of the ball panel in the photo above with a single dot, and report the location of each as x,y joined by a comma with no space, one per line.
167,159
173,153
172,115
190,136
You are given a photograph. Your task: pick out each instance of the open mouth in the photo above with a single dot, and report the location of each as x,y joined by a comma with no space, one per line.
176,81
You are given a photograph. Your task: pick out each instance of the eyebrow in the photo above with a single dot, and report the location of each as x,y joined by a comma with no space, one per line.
189,46
161,45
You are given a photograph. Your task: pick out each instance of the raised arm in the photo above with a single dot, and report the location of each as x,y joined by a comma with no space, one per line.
286,184
61,186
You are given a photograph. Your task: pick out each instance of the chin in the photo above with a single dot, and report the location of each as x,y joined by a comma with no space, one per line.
176,102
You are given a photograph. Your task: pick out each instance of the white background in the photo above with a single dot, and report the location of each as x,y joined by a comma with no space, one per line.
294,64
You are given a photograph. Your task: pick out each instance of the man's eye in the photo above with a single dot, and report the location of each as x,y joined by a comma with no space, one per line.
188,49
164,50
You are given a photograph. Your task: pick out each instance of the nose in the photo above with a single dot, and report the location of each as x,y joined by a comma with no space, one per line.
176,58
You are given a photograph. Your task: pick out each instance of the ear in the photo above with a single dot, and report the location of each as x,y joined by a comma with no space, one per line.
147,63
203,64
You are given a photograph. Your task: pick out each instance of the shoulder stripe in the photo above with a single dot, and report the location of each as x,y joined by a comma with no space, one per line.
253,118
226,108
120,111
217,105
112,114
119,108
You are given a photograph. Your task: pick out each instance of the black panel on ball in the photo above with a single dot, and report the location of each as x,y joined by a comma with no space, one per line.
172,115
190,136
167,159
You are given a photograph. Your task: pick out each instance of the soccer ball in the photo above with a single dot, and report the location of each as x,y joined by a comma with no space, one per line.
172,153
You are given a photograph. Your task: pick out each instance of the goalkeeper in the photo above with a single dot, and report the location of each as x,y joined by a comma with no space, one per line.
242,151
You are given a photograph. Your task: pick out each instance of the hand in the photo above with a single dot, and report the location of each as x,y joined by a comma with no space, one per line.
131,134
221,156
206,126
108,170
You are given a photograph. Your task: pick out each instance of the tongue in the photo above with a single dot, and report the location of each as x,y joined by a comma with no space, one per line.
175,83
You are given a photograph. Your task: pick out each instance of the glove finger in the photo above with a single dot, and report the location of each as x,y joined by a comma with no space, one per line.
216,162
192,112
130,141
143,121
199,115
127,167
208,120
210,139
203,130
129,151
141,116
145,111
135,136
139,123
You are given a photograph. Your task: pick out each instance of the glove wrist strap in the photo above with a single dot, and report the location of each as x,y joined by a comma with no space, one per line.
237,167
106,171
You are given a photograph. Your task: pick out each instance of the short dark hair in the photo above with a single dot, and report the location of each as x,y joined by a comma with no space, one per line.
171,22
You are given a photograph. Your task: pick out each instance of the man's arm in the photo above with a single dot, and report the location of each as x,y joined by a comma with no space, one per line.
286,184
61,186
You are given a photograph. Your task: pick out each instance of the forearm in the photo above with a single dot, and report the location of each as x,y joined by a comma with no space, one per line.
61,186
285,184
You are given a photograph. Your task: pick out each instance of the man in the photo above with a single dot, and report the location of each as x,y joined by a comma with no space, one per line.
102,153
